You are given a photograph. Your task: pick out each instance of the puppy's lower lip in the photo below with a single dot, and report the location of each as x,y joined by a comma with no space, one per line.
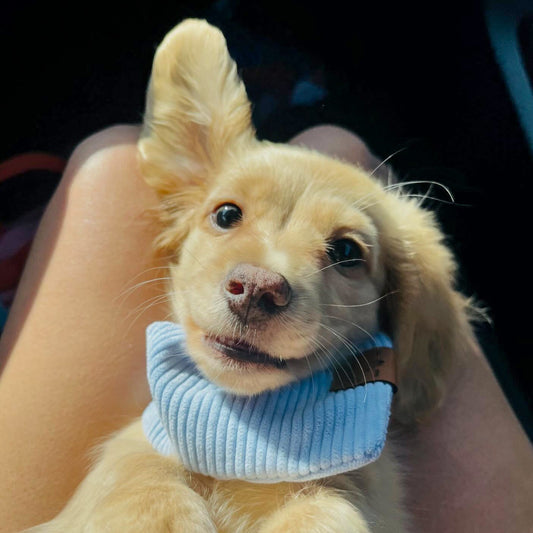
243,352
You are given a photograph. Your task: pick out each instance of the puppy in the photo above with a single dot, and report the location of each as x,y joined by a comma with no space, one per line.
331,255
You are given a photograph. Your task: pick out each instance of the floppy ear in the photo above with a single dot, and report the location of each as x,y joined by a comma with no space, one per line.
428,318
197,109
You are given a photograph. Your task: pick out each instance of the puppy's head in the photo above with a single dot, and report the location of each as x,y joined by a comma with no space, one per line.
282,257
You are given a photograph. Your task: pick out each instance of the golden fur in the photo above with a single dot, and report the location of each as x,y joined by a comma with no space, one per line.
198,150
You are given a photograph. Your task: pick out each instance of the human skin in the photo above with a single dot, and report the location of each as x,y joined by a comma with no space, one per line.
74,367
73,347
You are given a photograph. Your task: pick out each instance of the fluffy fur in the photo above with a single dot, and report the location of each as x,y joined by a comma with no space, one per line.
198,150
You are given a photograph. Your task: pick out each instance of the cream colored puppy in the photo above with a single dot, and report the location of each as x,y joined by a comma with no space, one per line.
333,254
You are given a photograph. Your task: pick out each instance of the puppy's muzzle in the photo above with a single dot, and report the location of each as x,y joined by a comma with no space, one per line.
255,294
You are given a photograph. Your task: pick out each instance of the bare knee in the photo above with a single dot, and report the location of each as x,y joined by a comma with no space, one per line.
102,186
338,142
100,154
116,135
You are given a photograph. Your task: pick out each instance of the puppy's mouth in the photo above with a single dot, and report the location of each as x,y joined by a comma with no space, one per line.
243,353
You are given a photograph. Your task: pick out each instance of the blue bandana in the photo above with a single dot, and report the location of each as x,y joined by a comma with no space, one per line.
300,432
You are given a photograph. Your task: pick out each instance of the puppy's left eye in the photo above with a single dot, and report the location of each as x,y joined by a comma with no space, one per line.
226,216
346,253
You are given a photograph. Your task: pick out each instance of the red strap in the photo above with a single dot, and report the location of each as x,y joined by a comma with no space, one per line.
30,161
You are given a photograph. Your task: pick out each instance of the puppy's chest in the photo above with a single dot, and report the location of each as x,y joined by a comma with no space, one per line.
239,506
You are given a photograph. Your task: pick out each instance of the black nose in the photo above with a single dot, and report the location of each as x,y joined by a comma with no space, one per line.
255,294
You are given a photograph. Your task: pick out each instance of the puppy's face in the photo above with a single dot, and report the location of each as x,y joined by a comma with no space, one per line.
284,258
280,272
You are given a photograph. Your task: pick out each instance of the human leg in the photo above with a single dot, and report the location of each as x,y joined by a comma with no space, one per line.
342,144
73,347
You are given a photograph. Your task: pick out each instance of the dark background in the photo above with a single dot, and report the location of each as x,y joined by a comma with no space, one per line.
421,78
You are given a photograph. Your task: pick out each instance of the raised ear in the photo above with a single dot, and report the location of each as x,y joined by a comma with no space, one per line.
428,318
197,109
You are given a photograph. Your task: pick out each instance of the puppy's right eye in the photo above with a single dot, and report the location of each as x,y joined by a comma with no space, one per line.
346,253
226,216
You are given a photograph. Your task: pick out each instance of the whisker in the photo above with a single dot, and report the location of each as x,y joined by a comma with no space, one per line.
351,348
401,184
424,197
360,204
333,265
192,255
127,292
143,307
361,329
394,154
363,304
335,364
283,321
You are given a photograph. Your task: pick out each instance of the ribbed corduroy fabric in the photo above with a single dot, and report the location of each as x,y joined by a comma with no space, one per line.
297,433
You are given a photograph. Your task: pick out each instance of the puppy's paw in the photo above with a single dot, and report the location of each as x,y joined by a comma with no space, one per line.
320,513
153,512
